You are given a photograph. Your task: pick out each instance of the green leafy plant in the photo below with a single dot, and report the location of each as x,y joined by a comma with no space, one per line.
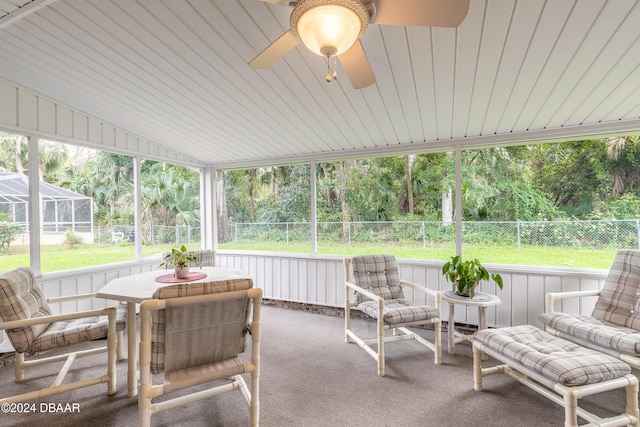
180,258
8,231
466,275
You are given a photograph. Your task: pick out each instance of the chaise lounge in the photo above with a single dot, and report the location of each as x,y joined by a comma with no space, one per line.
613,327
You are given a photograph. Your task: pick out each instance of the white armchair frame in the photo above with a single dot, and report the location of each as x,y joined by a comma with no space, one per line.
400,331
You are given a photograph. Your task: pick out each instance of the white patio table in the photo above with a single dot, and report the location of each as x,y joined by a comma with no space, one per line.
482,300
136,288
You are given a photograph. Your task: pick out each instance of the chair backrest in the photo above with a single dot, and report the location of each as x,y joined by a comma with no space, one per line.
200,326
206,257
378,274
619,301
21,298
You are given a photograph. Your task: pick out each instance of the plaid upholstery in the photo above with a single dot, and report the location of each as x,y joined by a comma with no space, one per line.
398,311
212,331
603,334
619,301
158,318
554,358
66,333
21,298
378,274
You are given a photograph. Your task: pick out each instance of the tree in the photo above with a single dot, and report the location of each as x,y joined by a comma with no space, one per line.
222,213
624,163
13,155
408,159
571,174
251,178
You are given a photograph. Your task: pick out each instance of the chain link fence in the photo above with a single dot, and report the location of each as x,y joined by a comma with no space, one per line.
618,234
151,234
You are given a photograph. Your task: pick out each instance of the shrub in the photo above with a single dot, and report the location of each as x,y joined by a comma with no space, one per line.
71,238
8,231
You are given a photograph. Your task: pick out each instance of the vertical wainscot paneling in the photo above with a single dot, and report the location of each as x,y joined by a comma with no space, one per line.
28,112
318,280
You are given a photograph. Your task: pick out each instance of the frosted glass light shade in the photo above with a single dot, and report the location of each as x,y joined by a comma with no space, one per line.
329,27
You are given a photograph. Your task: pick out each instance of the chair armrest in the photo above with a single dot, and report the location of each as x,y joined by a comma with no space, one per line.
436,294
551,297
363,291
55,318
66,298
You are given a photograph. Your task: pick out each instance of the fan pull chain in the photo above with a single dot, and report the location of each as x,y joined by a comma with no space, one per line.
329,76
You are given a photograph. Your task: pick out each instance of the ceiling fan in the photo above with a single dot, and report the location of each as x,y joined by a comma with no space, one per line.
332,28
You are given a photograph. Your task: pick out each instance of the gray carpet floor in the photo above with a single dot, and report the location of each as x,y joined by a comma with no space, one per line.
310,377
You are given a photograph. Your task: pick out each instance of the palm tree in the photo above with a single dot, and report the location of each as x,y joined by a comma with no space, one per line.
623,153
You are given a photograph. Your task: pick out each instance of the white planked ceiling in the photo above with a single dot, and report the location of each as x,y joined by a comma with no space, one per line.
175,72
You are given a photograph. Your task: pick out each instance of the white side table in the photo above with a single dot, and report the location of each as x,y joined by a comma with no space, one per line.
482,300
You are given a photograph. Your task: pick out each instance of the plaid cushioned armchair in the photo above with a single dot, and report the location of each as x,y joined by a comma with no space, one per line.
379,294
193,333
32,327
614,325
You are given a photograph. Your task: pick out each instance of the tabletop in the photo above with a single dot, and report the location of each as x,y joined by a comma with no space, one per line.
482,299
139,287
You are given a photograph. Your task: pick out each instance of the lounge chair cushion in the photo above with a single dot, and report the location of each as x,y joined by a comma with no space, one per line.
20,299
619,301
397,311
377,274
158,318
559,360
603,334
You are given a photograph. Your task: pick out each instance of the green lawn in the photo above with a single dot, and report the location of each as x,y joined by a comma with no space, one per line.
536,255
56,257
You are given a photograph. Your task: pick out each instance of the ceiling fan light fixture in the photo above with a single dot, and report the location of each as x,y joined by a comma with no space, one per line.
329,27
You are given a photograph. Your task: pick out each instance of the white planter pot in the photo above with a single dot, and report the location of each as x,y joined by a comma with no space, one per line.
182,273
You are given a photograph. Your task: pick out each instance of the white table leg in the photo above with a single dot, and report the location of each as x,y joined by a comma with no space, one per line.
132,372
450,328
482,324
482,321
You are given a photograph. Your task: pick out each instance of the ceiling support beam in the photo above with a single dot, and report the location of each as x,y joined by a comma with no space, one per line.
537,136
25,10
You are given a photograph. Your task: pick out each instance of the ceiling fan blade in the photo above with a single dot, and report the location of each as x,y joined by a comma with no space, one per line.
356,65
281,2
426,13
276,50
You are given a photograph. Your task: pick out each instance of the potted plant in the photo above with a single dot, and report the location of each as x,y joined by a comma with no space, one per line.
181,259
466,275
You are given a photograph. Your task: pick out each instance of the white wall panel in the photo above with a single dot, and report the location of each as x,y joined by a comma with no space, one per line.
8,106
80,126
95,131
46,116
108,135
319,281
27,110
64,121
24,111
